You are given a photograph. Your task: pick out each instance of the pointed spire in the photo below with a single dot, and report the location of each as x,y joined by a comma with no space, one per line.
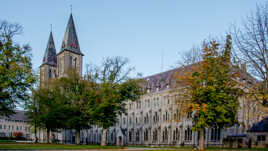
50,53
70,41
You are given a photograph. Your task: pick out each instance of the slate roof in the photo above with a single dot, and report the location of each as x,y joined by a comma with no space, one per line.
50,53
70,41
159,81
166,80
19,115
261,126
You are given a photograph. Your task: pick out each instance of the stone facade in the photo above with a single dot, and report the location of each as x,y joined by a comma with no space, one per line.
67,60
17,123
156,119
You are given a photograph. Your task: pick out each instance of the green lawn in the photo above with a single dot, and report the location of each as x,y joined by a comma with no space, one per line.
53,146
28,146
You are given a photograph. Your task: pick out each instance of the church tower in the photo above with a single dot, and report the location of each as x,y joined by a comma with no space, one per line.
48,69
70,56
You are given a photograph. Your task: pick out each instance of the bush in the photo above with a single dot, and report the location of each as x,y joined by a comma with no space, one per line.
17,134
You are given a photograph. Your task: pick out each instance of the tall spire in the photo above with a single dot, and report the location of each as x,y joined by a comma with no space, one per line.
50,53
70,41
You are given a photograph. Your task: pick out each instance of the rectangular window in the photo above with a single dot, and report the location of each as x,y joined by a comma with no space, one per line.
0,126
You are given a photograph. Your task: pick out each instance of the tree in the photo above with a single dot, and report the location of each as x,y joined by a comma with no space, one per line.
17,134
64,104
191,56
78,95
251,43
212,90
16,77
48,110
115,88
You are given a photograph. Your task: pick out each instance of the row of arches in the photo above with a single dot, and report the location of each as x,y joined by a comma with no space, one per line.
158,135
174,136
154,135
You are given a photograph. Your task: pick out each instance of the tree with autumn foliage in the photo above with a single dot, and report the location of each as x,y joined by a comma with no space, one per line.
212,90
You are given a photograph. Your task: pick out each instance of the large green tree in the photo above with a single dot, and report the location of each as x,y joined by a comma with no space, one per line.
213,90
66,103
115,88
78,94
16,77
48,110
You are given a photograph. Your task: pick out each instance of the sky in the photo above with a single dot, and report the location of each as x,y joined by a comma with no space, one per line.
150,33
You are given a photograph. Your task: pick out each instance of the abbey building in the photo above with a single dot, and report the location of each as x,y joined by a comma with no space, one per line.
155,119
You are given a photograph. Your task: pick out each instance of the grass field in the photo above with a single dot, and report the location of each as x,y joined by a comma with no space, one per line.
25,146
28,146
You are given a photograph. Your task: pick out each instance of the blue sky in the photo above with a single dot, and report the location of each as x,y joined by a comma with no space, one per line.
137,29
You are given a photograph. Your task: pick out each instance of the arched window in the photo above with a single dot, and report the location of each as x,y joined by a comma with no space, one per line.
112,136
75,59
155,134
177,134
215,134
70,61
188,134
137,136
49,73
130,136
174,135
165,135
146,135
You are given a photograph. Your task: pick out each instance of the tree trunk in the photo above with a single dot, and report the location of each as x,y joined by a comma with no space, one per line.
77,134
103,137
201,140
35,134
48,135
